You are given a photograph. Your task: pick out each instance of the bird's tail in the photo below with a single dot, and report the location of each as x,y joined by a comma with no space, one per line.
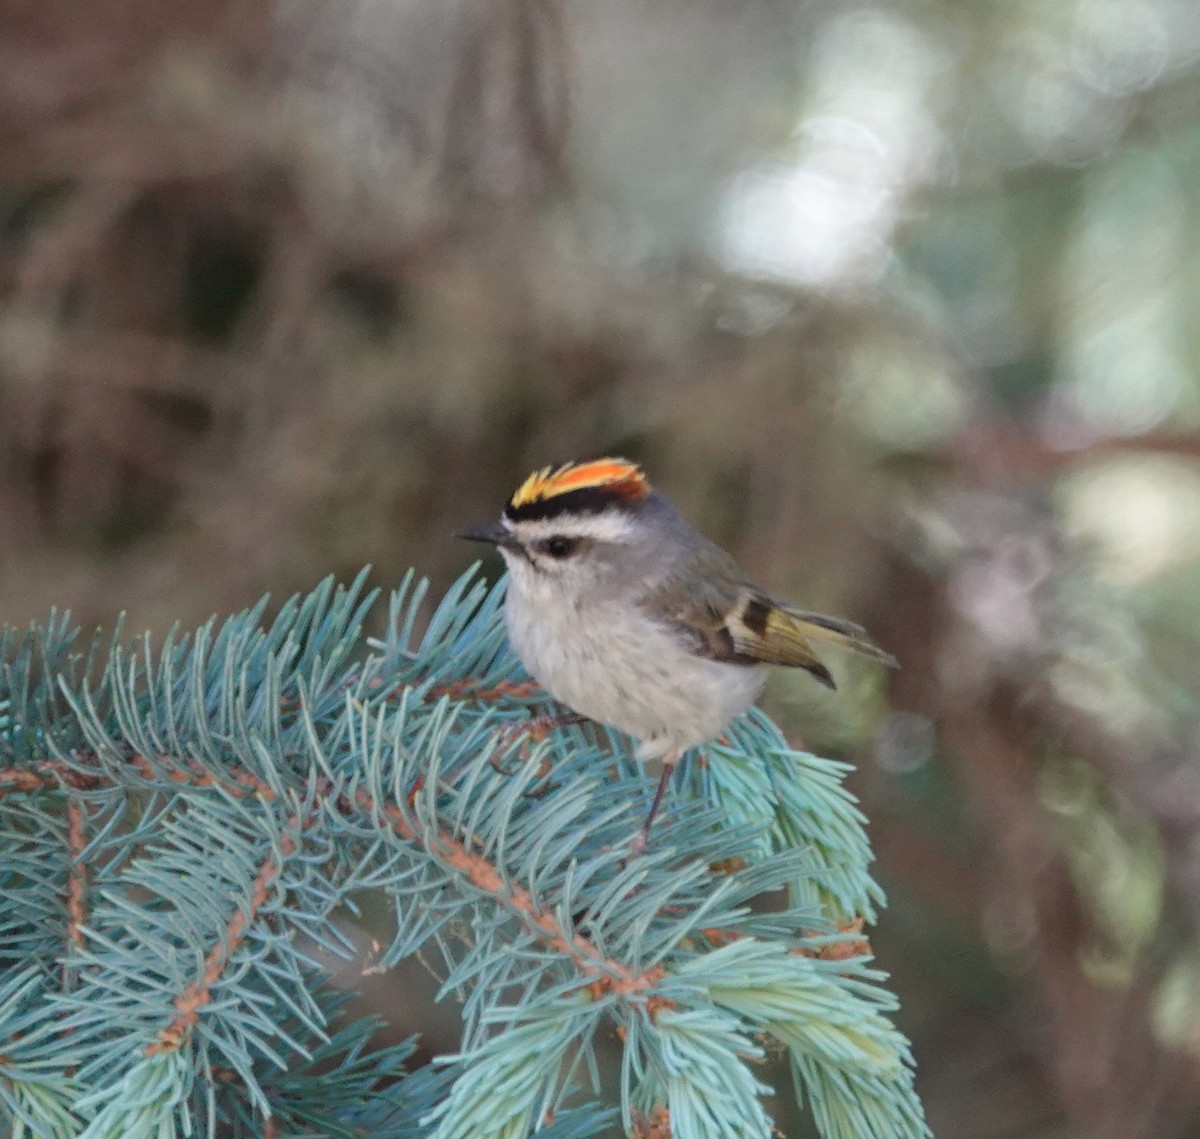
840,633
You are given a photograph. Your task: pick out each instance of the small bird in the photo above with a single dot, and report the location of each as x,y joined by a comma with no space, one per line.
630,617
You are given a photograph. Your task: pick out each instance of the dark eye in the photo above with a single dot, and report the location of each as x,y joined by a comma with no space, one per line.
560,546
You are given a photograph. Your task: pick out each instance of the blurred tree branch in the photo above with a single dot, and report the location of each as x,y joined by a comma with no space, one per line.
999,720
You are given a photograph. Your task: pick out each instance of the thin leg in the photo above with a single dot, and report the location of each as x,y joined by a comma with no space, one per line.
641,839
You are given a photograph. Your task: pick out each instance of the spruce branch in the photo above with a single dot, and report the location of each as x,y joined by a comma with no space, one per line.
184,824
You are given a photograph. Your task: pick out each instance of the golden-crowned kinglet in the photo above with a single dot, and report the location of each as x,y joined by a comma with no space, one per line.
628,616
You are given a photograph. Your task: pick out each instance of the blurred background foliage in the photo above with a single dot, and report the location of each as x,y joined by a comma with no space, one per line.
895,298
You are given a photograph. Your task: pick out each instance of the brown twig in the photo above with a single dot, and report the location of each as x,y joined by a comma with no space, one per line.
241,781
46,775
50,774
13,779
654,1125
857,946
77,882
471,689
198,994
601,974
834,951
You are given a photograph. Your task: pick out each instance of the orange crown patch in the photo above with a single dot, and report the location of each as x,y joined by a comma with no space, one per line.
617,477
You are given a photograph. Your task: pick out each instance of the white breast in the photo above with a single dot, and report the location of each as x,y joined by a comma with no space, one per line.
612,663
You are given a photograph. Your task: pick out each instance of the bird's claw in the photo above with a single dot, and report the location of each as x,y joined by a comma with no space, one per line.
530,732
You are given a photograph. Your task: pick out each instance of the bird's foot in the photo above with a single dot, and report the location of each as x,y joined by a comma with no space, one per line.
637,844
530,732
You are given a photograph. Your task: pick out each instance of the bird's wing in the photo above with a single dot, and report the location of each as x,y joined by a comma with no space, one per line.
726,619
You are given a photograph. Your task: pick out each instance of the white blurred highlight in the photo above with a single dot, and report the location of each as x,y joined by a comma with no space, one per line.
824,215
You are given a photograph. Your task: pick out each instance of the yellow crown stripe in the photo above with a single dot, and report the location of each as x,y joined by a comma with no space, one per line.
552,481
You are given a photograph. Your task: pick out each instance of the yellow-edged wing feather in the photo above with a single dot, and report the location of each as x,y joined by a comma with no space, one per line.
729,620
782,634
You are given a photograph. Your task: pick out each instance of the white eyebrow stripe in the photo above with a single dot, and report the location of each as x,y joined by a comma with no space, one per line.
606,526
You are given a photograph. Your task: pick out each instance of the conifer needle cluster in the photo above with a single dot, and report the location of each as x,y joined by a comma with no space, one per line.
185,826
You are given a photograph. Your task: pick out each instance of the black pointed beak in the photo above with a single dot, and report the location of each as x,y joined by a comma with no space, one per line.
491,532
